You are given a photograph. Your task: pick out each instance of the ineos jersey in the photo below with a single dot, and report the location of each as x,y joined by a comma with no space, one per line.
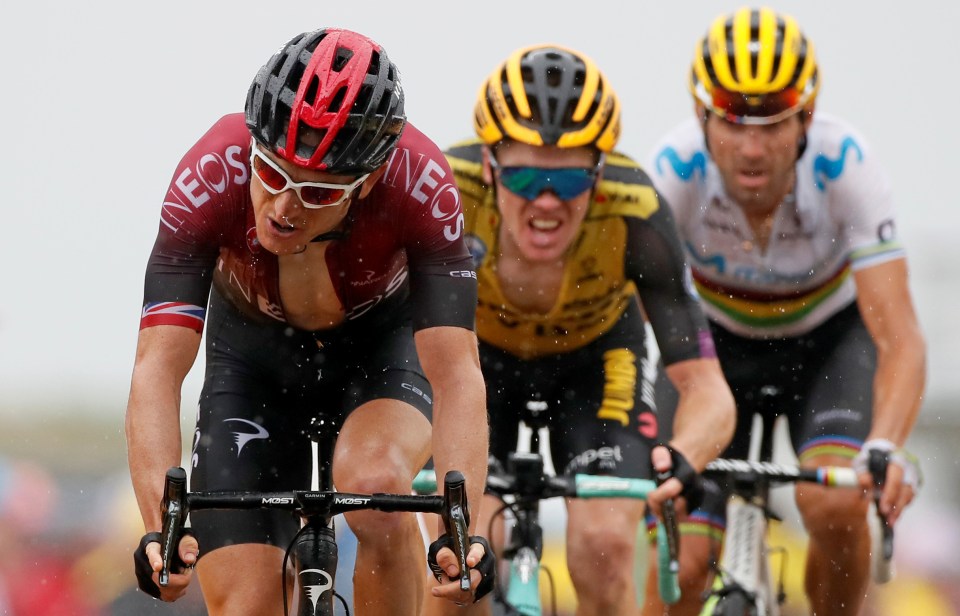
839,219
627,243
404,237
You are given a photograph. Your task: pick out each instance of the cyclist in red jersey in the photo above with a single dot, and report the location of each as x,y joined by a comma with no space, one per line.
319,238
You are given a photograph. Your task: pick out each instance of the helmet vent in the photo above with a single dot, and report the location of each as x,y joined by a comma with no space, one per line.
384,107
374,68
579,78
345,138
526,73
341,58
363,100
337,100
312,87
554,76
308,139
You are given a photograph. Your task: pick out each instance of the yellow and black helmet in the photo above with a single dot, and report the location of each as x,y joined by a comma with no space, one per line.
548,95
754,66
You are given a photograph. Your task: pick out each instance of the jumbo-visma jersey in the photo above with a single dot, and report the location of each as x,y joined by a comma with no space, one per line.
610,262
839,219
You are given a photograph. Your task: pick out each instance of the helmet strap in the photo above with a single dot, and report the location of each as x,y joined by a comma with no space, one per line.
341,231
704,116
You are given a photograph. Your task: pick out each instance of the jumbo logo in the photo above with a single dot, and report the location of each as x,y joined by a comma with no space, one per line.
620,373
828,169
212,173
425,182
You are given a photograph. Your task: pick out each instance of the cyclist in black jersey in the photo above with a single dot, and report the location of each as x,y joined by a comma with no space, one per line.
575,253
333,282
788,221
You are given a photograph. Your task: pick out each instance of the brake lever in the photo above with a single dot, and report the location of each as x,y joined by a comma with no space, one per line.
174,511
671,528
456,521
877,464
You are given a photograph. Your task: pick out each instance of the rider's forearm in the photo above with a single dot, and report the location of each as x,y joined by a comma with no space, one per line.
460,436
898,385
705,416
153,438
885,304
165,354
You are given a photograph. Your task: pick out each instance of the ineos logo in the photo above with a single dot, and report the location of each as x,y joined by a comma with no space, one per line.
445,201
212,172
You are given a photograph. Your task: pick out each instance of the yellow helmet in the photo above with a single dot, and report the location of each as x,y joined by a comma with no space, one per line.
754,67
548,95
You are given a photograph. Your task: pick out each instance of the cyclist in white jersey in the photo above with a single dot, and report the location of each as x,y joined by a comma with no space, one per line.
788,222
837,219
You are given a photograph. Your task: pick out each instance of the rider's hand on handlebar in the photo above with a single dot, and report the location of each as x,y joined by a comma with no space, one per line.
481,561
148,562
901,483
685,483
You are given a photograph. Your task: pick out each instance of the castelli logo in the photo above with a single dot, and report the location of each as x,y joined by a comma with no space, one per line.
253,242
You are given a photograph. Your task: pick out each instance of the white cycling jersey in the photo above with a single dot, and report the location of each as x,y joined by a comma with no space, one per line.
839,219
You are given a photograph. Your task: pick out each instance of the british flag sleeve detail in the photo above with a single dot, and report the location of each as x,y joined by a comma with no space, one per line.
172,313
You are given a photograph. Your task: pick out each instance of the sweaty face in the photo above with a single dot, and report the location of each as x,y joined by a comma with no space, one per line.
284,226
756,163
539,228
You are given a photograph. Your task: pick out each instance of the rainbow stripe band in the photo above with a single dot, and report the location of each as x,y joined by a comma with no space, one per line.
767,310
842,446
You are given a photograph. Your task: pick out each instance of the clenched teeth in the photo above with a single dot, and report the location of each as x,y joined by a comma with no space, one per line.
544,225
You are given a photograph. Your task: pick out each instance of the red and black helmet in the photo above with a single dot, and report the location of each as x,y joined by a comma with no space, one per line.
329,100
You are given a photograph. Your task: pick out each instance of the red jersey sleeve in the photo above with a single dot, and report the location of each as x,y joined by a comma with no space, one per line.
207,196
443,283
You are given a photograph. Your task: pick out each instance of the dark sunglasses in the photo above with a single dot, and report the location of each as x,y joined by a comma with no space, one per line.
755,109
529,182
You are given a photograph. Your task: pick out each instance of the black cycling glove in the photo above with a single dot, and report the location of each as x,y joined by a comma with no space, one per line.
487,565
141,565
690,479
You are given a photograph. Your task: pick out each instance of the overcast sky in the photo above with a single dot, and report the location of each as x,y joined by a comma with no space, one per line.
101,99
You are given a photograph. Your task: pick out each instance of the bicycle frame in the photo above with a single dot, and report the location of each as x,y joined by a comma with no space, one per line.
525,484
314,547
744,576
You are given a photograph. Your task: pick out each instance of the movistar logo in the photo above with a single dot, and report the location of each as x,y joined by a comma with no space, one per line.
827,169
685,169
242,438
716,261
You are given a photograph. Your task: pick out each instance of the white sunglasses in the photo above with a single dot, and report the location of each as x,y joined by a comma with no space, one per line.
313,195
